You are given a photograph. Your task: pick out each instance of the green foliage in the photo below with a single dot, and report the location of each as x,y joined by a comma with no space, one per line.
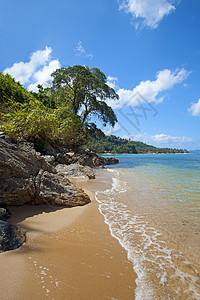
84,91
100,143
32,121
12,91
39,124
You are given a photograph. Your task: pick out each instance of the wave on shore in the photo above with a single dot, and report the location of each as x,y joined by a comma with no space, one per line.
163,272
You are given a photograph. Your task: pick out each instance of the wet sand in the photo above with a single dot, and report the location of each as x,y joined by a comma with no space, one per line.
69,254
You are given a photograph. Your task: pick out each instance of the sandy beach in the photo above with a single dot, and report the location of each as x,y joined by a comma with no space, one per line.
69,254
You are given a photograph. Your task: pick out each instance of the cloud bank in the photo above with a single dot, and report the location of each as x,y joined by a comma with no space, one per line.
149,13
37,71
163,140
149,91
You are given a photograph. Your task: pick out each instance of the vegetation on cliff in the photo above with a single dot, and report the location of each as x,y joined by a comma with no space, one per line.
57,114
61,113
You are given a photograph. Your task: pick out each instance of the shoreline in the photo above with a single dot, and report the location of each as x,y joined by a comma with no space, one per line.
138,153
69,254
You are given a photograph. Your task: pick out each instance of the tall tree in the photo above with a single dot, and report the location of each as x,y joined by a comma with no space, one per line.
84,90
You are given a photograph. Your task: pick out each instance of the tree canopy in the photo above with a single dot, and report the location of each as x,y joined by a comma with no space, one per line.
84,91
56,114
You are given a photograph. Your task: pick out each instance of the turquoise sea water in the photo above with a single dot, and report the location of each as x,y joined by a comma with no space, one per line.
153,208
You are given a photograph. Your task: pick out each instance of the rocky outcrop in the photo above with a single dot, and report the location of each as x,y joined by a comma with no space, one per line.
26,177
57,189
111,161
75,170
91,159
11,236
83,158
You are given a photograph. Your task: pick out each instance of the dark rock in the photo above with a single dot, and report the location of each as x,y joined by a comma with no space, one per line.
91,159
5,137
11,236
63,159
50,151
3,213
76,170
26,177
111,161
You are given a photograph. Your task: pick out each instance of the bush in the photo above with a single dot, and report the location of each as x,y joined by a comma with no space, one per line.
41,125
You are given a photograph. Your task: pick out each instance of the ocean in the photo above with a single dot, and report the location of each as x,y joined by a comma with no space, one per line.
151,203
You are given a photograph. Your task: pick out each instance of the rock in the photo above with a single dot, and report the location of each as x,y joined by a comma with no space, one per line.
88,172
76,170
5,137
26,177
3,213
50,159
91,159
50,151
56,189
111,161
11,236
63,159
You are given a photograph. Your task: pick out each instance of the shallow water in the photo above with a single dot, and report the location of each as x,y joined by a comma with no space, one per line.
152,206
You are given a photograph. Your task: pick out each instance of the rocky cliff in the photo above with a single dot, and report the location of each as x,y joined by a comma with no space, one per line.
26,177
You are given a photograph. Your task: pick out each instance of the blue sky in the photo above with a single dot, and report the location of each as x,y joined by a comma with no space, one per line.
148,49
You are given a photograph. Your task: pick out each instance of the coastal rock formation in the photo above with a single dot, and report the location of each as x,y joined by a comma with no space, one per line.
26,177
11,236
75,170
57,189
91,159
82,157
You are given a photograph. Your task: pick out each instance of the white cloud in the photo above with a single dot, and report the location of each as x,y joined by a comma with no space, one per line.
43,76
23,71
149,12
80,51
36,71
195,109
162,140
148,91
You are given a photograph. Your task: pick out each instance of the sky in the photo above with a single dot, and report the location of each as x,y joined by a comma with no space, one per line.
148,49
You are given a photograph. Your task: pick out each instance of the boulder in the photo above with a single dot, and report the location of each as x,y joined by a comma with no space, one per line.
50,159
11,236
75,170
50,151
57,189
63,159
111,161
91,159
26,177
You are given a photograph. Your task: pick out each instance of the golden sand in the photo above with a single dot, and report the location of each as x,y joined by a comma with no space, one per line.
69,254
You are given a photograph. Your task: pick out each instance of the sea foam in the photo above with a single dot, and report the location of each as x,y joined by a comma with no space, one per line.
153,260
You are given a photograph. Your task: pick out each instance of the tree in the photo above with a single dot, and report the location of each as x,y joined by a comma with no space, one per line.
84,91
12,91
